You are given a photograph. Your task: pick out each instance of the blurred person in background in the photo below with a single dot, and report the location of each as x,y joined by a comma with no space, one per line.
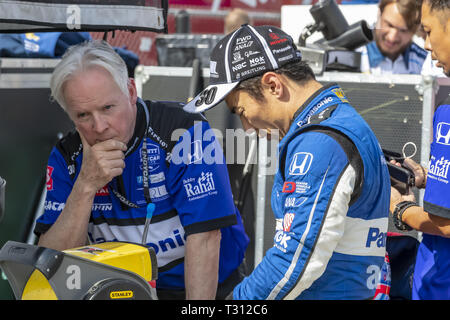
235,19
393,50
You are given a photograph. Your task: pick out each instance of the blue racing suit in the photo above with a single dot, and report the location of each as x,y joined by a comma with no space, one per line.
188,183
331,202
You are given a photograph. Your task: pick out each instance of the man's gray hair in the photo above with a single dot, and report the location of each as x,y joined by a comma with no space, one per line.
83,57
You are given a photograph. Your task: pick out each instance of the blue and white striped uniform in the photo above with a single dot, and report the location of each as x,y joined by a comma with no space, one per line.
409,62
331,201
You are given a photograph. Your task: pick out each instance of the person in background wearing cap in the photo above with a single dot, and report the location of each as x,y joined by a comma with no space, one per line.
432,270
124,159
331,193
393,50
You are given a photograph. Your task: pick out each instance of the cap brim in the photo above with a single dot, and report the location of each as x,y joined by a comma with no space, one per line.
209,97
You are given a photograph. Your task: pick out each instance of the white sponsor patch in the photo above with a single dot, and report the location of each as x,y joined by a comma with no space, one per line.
364,237
166,237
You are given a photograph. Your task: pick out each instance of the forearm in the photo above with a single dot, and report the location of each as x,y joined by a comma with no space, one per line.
423,221
101,163
70,229
202,265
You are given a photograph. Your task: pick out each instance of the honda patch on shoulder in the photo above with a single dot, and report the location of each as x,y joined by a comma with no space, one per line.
443,133
300,164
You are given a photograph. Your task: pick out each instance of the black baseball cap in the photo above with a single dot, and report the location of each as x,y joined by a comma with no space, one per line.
245,53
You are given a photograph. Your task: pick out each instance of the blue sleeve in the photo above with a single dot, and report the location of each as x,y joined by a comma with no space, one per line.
199,183
438,171
58,187
314,165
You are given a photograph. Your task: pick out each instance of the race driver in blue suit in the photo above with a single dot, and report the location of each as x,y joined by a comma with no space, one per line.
331,193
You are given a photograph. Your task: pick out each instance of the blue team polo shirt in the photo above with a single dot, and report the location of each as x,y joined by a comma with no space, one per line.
432,270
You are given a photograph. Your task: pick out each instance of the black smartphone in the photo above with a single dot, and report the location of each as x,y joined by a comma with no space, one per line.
402,178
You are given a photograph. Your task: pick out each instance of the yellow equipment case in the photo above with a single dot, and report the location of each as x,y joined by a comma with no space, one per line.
105,271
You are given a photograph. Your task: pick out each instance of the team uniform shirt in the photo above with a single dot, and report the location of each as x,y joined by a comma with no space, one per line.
330,199
429,68
432,269
187,181
409,62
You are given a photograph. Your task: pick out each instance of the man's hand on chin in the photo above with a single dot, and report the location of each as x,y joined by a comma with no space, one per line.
101,162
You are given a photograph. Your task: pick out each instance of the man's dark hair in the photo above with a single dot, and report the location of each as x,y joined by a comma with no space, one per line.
409,10
298,71
439,5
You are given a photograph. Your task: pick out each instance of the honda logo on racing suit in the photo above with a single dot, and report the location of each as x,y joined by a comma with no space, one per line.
443,133
300,163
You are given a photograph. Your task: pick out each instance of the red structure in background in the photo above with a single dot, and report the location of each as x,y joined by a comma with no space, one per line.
206,16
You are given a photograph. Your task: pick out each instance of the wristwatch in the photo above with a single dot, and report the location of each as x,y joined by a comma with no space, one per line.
398,213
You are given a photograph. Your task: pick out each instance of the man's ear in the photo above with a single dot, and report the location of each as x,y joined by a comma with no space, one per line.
272,84
132,91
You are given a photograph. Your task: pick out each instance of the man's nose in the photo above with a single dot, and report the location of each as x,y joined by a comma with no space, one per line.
392,34
99,123
428,44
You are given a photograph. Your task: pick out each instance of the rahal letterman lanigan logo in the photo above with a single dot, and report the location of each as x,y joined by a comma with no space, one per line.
439,168
200,187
